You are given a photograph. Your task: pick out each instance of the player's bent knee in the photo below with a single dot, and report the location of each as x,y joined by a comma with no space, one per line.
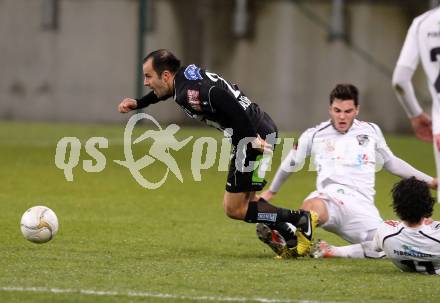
308,204
234,213
234,210
318,206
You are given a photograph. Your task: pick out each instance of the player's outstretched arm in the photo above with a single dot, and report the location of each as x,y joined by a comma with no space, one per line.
402,169
127,105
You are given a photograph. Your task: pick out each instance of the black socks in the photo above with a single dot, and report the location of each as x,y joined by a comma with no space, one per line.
264,212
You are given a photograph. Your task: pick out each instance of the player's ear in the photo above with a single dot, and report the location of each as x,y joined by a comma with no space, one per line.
357,109
166,75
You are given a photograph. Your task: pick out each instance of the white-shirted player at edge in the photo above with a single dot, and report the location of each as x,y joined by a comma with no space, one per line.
346,153
422,43
414,243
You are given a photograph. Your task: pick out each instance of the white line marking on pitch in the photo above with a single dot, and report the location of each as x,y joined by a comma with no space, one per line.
149,295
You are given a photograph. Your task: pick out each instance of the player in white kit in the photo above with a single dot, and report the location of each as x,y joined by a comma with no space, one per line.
346,153
422,43
414,243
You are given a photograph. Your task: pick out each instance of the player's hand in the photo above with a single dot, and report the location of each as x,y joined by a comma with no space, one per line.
267,195
434,184
261,145
428,221
422,126
127,105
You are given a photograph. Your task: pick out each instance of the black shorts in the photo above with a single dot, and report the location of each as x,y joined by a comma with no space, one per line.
243,177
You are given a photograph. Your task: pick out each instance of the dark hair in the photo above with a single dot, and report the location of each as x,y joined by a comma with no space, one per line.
162,60
412,200
345,92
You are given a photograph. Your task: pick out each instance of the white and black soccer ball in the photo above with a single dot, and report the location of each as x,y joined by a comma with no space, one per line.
39,224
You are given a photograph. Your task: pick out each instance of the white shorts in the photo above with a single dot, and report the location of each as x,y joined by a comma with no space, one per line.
350,215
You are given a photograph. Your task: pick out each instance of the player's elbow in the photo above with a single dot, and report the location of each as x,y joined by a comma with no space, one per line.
396,82
401,78
398,87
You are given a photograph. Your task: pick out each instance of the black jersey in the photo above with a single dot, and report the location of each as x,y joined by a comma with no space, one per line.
210,98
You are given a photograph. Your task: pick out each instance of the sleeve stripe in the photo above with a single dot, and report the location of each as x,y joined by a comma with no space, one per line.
372,125
392,235
317,131
433,239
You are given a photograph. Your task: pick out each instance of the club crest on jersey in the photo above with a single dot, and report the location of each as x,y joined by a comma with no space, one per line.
194,100
363,139
192,72
329,146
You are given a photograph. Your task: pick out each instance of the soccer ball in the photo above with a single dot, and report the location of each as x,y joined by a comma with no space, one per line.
39,224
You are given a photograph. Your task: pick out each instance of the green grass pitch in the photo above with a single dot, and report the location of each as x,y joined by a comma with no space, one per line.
119,242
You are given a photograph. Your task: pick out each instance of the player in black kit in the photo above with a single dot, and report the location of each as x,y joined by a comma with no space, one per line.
208,97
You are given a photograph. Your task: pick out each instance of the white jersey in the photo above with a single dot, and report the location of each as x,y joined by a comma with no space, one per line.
410,249
423,43
344,158
350,159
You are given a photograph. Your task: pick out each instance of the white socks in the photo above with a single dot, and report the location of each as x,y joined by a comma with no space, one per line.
359,251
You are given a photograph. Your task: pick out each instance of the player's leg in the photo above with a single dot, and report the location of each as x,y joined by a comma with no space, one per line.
318,209
245,177
292,236
365,249
248,207
353,218
239,206
235,205
322,249
297,237
318,206
273,238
